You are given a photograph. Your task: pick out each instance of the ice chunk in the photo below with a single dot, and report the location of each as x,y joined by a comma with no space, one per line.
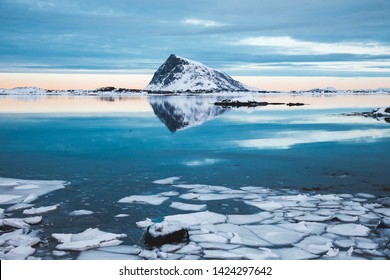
190,186
81,213
26,187
265,205
169,194
9,235
346,218
30,198
256,254
324,197
240,235
121,215
365,195
299,227
258,190
248,219
57,253
25,240
167,181
313,218
88,239
352,212
191,248
169,248
364,243
221,255
332,252
100,255
19,253
16,223
33,220
349,229
315,244
210,237
383,211
121,249
294,254
276,235
41,210
10,198
145,223
188,207
217,196
16,191
148,254
169,256
197,218
218,246
146,199
191,257
19,206
344,243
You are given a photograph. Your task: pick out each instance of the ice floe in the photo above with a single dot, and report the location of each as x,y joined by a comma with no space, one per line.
41,210
88,239
188,207
145,199
81,212
167,181
349,230
289,226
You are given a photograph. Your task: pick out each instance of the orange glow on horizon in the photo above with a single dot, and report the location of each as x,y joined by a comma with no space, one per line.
139,81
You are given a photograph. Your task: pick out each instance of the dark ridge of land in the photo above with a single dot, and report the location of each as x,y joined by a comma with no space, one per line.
234,103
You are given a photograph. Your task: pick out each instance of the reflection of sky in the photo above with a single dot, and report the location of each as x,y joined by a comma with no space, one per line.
65,104
286,140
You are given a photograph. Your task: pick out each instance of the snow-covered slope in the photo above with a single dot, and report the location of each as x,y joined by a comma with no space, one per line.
182,112
180,74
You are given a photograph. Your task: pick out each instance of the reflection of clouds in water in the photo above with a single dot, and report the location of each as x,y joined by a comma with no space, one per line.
202,162
298,119
285,140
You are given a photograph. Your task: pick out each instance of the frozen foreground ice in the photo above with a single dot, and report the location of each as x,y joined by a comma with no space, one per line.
286,225
276,224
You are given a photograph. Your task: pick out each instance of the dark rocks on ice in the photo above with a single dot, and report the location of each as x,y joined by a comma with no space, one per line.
164,233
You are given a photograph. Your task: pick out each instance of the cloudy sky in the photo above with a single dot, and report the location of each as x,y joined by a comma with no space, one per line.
259,38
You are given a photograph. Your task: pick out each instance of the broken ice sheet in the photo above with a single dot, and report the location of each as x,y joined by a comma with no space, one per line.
41,210
349,229
188,207
145,199
166,181
81,212
88,239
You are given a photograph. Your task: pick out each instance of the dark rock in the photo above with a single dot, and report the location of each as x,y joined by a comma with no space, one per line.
295,104
165,233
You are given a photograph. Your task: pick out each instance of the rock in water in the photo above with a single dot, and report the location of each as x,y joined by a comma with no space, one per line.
179,74
165,233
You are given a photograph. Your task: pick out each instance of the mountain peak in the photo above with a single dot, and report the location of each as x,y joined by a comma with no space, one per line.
180,74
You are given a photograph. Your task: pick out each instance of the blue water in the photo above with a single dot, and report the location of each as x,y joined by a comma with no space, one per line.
106,157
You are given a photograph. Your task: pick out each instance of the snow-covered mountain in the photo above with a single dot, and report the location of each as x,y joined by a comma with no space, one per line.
179,112
179,74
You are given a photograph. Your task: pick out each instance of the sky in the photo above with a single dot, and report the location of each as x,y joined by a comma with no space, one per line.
269,44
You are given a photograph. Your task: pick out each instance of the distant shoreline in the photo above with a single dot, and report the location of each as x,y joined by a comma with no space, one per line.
112,91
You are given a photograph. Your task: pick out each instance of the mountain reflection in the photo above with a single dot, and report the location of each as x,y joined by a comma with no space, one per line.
179,112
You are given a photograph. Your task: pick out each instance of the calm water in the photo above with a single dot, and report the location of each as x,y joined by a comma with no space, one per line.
119,147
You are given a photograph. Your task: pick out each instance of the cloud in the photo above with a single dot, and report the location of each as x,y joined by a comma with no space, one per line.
286,140
380,67
203,23
289,46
